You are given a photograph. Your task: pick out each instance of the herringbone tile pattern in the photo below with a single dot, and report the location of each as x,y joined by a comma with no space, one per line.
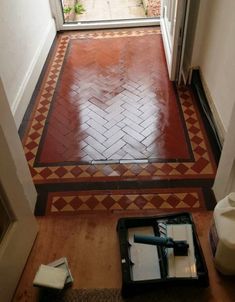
64,110
112,104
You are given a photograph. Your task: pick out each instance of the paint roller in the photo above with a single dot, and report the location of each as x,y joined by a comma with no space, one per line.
180,247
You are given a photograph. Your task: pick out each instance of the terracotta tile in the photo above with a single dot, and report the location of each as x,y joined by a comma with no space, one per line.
173,198
104,102
107,113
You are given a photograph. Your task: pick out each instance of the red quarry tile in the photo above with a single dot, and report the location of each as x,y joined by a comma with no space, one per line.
114,103
139,114
31,145
76,171
182,168
76,203
33,171
61,171
124,202
140,201
92,202
108,202
37,126
201,151
157,201
190,199
45,173
167,168
59,204
29,156
174,199
200,165
34,135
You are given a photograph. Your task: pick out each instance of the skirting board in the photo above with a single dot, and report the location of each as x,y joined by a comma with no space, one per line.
29,82
218,123
215,129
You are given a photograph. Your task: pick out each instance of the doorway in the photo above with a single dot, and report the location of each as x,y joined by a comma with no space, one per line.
94,10
172,16
96,14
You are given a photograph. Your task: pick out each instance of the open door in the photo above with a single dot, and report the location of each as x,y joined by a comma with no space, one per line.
173,26
18,227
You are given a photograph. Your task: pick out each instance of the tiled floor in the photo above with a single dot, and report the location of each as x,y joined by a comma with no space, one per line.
114,104
117,200
106,117
82,198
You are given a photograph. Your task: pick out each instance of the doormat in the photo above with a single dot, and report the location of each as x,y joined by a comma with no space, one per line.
179,294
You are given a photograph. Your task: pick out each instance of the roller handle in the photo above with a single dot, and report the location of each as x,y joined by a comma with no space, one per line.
180,247
154,240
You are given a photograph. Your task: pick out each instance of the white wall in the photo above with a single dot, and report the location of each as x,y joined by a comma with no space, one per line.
214,53
225,176
19,196
27,31
14,147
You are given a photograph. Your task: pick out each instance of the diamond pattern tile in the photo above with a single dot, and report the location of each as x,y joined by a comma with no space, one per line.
117,123
99,117
152,199
126,119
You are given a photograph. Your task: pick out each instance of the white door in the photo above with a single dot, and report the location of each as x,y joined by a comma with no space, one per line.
173,27
18,227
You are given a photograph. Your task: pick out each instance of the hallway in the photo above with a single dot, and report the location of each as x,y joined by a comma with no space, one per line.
81,196
74,197
107,125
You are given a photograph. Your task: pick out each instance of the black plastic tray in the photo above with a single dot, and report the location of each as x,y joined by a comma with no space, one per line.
130,287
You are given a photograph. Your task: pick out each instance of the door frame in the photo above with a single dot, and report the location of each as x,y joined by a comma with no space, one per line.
19,196
57,13
174,34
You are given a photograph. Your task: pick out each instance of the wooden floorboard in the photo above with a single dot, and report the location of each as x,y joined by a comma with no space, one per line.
90,244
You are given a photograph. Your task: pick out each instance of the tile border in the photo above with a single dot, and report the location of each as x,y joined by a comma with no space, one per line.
163,199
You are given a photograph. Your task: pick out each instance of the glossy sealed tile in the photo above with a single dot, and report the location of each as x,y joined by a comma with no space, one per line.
106,116
113,104
104,102
177,199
